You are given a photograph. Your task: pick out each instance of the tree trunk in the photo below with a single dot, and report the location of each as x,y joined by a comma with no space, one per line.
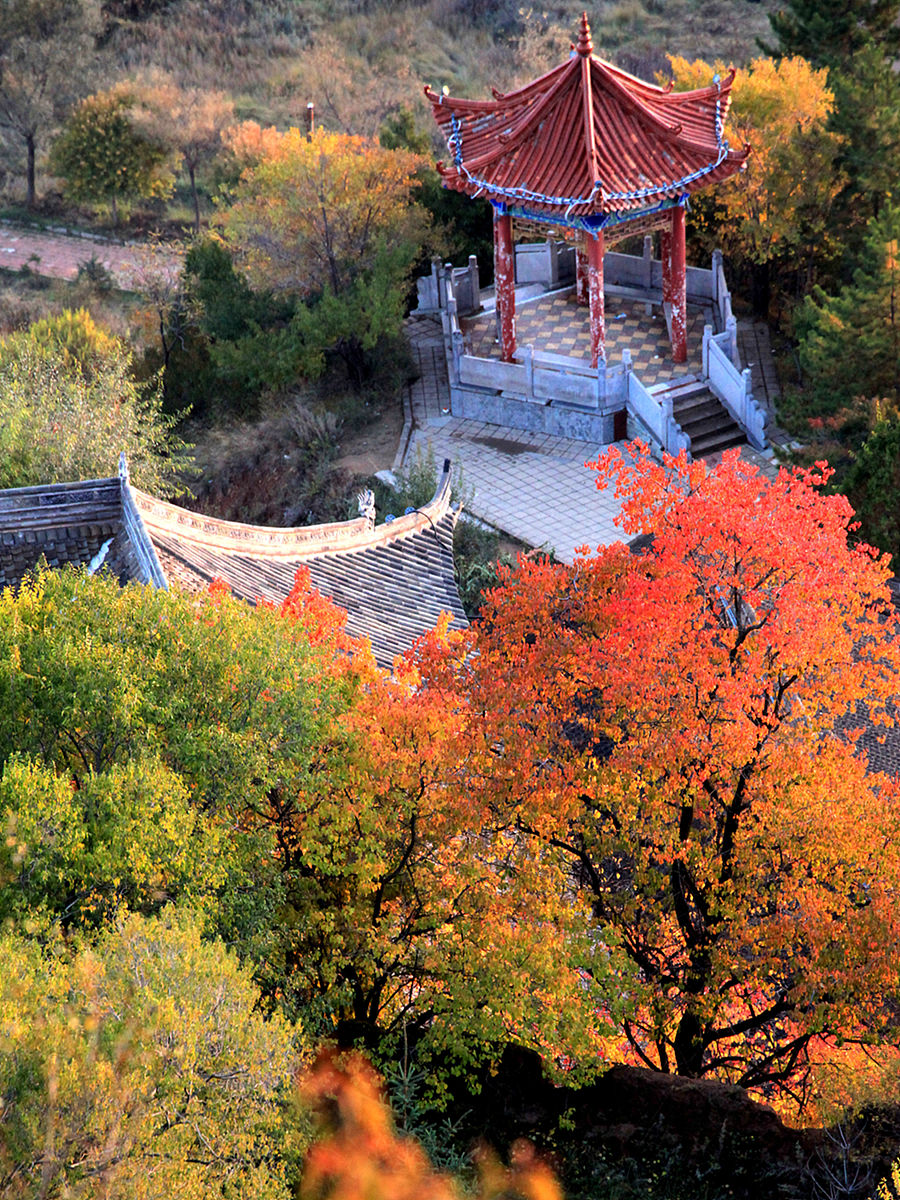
762,289
688,1046
30,189
196,198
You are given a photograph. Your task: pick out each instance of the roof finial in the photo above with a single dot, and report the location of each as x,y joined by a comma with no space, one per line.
585,46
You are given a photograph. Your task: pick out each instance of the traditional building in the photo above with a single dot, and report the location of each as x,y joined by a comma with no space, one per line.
394,580
597,151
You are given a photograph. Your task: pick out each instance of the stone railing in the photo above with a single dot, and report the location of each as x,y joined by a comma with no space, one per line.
655,414
432,289
721,296
730,384
538,393
629,276
556,394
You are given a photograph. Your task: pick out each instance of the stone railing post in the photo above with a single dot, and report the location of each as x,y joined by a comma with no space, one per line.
457,349
716,277
527,356
668,418
476,282
552,263
707,338
746,397
731,327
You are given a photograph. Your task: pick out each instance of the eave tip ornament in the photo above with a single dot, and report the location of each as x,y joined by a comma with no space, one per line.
584,47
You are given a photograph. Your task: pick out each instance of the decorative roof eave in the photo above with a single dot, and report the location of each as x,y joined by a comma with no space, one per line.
502,152
592,222
297,543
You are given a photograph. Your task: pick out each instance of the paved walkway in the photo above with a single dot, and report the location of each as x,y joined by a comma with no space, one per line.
60,255
531,486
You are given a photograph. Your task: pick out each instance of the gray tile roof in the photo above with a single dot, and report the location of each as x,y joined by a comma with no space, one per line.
64,523
394,580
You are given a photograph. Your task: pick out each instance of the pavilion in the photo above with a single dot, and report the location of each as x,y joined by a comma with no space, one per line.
590,148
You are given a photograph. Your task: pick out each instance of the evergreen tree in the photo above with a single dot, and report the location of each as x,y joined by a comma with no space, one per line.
873,483
866,118
850,342
829,33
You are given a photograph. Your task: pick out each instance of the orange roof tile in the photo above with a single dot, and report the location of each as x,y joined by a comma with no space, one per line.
587,140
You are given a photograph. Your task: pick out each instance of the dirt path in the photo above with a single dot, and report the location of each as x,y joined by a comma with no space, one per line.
60,255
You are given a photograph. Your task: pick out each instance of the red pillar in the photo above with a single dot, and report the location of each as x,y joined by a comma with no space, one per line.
505,284
595,250
665,254
678,282
581,276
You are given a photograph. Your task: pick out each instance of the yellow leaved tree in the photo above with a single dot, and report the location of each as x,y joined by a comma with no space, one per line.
779,205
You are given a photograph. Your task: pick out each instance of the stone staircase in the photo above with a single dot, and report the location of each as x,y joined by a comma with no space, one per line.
701,415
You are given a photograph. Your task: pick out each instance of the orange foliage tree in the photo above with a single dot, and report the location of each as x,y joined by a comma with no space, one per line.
664,720
406,916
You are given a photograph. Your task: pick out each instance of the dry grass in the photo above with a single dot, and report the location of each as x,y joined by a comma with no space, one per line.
277,471
359,59
26,298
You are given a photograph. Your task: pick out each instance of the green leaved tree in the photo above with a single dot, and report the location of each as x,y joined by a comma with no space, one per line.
140,1067
69,405
104,159
849,343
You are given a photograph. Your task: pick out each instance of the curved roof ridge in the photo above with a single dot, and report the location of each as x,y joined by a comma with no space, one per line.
508,140
627,97
297,542
501,99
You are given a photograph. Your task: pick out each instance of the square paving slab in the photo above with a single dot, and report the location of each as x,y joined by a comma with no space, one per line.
557,324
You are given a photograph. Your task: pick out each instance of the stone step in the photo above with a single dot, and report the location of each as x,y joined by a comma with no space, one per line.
706,421
697,409
674,388
715,443
711,424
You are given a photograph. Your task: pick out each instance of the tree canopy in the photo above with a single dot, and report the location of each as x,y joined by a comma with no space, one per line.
69,405
313,214
39,42
779,205
664,719
104,159
141,1065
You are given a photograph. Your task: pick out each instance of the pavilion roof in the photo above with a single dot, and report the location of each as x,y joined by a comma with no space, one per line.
394,580
587,140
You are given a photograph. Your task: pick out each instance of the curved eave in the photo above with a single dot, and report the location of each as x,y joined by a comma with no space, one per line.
296,544
587,139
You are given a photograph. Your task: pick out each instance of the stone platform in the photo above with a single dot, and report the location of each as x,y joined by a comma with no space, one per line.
555,323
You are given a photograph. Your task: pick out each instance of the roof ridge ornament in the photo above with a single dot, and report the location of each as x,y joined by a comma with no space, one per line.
584,47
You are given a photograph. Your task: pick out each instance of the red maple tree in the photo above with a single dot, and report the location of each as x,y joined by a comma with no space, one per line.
664,718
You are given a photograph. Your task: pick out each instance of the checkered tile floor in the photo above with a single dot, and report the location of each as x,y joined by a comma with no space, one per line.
558,325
